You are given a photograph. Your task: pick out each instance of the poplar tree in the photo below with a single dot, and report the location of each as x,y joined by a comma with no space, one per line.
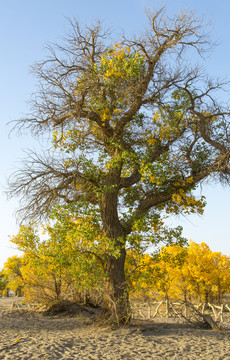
135,128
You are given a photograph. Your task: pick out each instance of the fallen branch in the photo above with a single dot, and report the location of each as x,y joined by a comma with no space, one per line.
206,318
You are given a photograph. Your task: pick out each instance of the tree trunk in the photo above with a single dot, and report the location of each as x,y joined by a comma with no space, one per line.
117,298
117,303
18,292
57,287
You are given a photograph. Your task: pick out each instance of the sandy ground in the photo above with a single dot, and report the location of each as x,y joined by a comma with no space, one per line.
28,334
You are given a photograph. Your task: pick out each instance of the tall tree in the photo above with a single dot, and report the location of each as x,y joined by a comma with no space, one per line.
135,128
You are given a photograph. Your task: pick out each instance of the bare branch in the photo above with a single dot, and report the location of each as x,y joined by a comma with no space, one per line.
44,181
110,144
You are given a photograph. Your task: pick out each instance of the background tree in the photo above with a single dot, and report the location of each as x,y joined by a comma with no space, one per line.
192,272
45,270
206,274
3,283
168,266
221,276
156,275
60,266
135,128
12,274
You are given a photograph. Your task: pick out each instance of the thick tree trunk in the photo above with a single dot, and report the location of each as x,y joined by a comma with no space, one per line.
116,295
117,298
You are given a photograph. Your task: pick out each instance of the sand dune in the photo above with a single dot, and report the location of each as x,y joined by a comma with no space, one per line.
27,334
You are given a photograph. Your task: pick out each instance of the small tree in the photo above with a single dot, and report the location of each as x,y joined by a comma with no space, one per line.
169,264
12,274
206,274
221,276
135,130
45,271
3,283
49,273
157,275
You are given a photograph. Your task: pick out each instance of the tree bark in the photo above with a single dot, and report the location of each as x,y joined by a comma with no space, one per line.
117,303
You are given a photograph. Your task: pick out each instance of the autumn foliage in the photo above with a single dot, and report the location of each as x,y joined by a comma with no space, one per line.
58,263
188,273
11,276
47,271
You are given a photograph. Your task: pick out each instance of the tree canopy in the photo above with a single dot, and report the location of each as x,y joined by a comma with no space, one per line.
134,129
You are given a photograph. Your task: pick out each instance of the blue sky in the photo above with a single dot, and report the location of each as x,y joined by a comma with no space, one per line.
25,28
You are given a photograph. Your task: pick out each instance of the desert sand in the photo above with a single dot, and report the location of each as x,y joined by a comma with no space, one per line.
28,334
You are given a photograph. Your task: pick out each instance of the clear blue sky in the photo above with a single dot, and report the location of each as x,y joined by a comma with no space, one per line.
25,28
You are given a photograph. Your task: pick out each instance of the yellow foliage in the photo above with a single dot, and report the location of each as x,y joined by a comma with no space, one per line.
180,272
